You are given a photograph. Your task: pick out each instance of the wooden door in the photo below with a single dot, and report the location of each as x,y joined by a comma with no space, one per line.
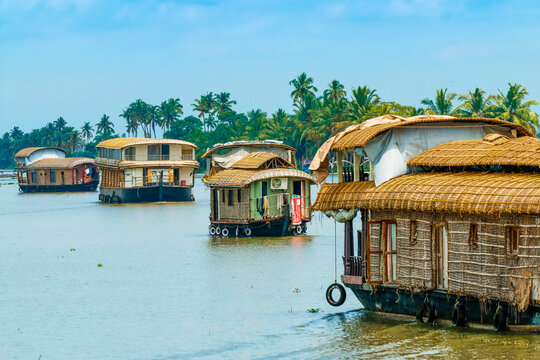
374,251
389,236
440,249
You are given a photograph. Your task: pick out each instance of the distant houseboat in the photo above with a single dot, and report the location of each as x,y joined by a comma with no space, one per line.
46,169
256,190
449,224
143,170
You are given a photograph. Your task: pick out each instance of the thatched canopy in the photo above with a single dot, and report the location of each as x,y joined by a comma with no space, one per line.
120,143
261,159
59,163
127,164
359,135
465,192
261,143
241,178
26,152
494,149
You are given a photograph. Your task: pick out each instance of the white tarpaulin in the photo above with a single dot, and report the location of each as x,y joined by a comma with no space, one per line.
227,157
390,151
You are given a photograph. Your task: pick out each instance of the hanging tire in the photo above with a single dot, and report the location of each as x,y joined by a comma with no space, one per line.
342,294
237,232
218,231
298,229
499,319
212,230
247,231
225,232
425,311
458,315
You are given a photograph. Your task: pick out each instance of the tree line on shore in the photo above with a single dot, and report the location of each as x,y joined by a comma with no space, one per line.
315,117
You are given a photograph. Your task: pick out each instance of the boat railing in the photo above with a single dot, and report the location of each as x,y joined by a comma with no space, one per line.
142,181
353,266
159,157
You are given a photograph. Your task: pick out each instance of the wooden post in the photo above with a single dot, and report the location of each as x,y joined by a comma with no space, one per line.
348,246
357,164
339,160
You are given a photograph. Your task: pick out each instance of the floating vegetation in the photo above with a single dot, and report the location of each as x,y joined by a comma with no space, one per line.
314,310
99,265
72,249
297,290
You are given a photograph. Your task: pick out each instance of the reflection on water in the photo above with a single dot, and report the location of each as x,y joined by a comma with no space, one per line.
167,290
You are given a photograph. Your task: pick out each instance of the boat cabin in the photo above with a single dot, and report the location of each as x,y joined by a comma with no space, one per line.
141,169
261,194
46,169
448,228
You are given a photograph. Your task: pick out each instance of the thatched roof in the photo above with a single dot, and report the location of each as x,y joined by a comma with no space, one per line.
232,144
494,149
258,159
26,152
240,177
465,192
359,135
120,143
59,163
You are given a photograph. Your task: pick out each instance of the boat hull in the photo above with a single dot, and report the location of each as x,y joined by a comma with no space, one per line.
90,186
269,227
145,194
390,300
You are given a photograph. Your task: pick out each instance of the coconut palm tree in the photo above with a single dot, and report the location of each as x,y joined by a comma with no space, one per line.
363,100
476,103
442,105
60,123
170,111
131,125
205,106
256,123
335,92
105,127
16,133
303,88
510,107
223,103
87,132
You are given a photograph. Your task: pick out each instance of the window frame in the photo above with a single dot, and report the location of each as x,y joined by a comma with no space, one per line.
473,236
230,198
413,227
52,176
513,234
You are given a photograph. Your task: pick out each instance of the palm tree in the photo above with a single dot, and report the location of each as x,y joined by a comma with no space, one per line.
303,88
335,92
363,100
205,105
511,107
16,133
60,123
170,111
256,123
132,125
442,104
475,104
223,103
105,127
86,131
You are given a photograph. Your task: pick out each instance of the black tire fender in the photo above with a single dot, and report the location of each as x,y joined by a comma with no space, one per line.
247,231
458,315
499,319
212,230
342,294
298,229
427,311
225,232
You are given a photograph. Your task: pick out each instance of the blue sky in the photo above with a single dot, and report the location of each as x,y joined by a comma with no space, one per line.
81,59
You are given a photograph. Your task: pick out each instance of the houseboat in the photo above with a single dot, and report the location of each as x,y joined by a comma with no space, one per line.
256,190
144,170
447,212
46,169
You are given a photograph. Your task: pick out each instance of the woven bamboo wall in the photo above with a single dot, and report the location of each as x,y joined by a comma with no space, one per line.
485,271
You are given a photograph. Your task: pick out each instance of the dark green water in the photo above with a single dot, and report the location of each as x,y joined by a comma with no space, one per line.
166,290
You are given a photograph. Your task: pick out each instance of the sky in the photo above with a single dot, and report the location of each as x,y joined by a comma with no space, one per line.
82,59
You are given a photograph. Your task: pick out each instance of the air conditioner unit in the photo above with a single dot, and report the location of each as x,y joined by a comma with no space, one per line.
278,184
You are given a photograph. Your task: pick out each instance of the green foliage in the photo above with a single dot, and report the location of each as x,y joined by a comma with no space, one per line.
313,120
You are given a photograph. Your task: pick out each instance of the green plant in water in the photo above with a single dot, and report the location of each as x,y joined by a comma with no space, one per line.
314,310
72,249
297,290
99,265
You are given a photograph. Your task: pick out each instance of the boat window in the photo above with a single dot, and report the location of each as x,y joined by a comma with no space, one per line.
390,235
512,239
414,232
187,154
473,236
34,176
53,176
165,152
239,194
222,195
129,153
153,152
230,198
